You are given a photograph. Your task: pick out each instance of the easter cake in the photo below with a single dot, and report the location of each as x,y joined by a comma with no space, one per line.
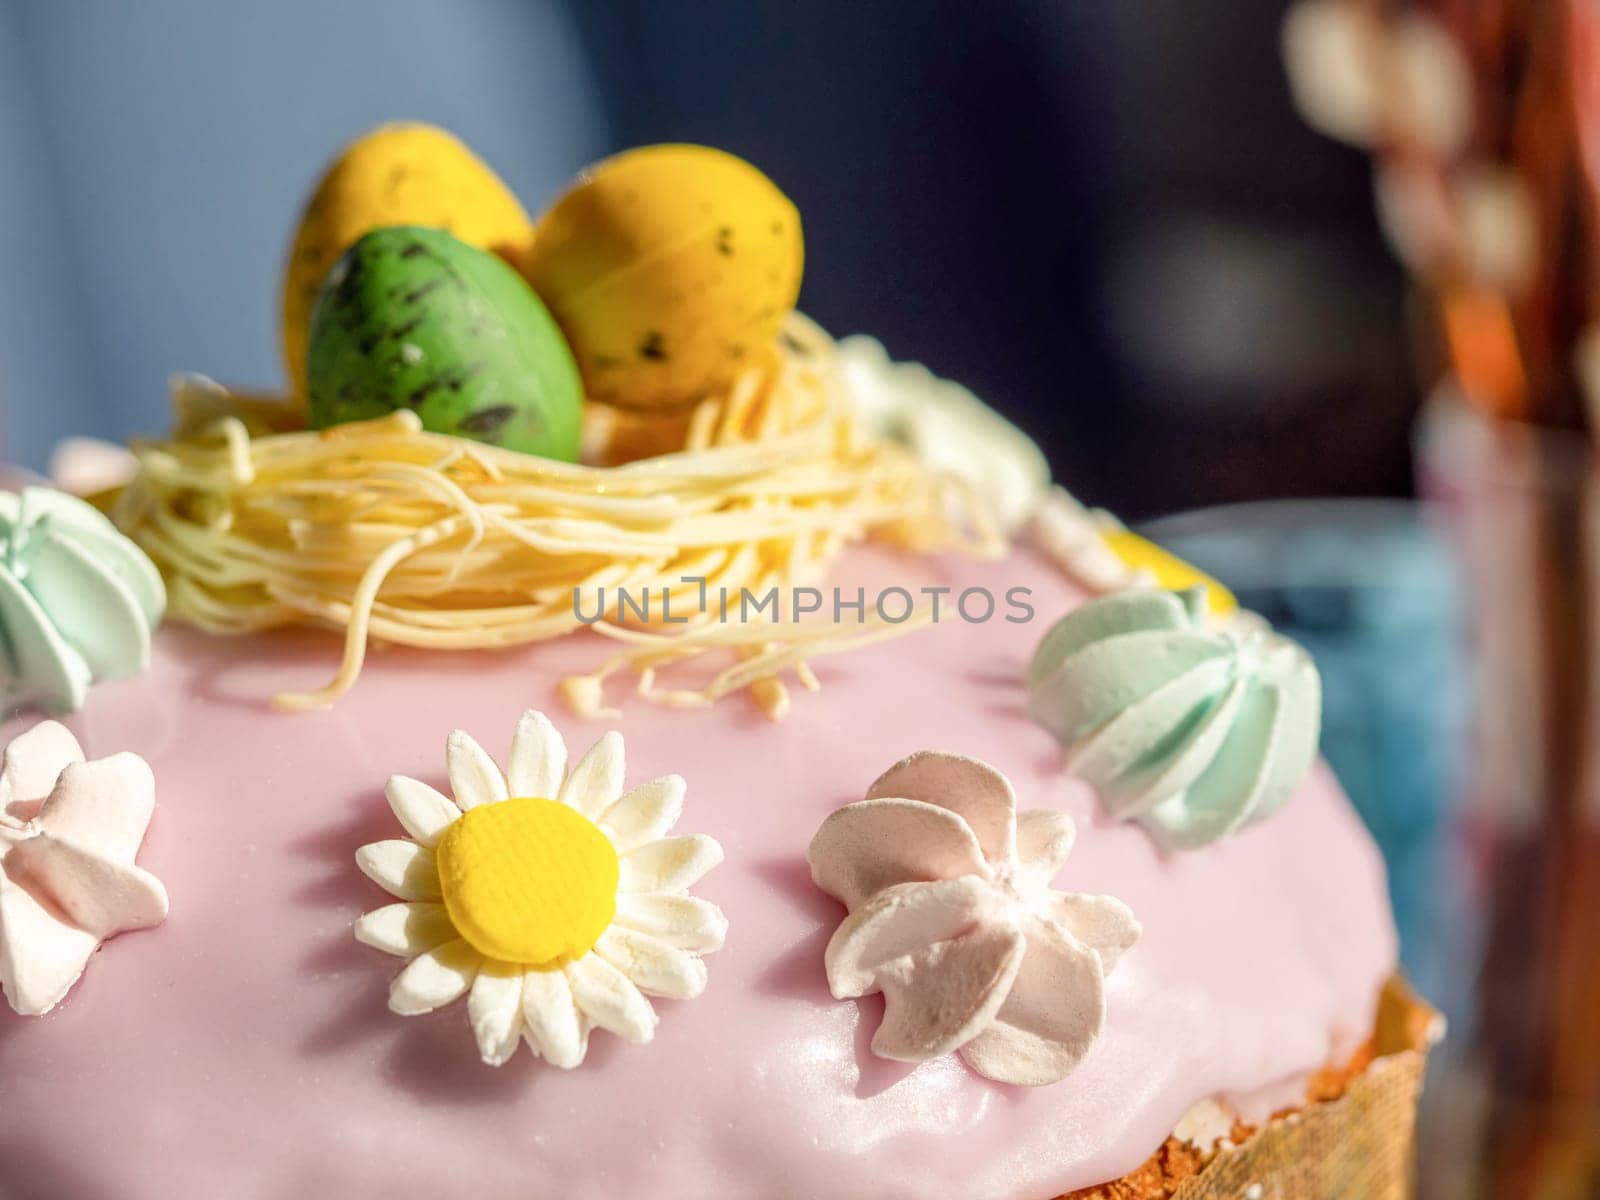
598,735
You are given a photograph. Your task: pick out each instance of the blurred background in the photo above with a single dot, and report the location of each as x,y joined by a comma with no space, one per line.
1109,219
1105,218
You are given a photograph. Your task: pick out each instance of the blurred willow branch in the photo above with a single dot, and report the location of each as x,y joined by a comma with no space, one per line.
1483,121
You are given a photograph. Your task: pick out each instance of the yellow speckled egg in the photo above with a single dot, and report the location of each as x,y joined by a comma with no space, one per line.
404,173
669,268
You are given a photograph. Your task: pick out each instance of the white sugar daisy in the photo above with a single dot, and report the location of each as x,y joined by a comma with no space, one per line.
550,899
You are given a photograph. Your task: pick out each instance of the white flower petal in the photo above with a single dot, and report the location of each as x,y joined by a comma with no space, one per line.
538,758
607,997
646,812
669,864
41,956
1103,923
401,868
686,922
422,810
943,967
973,790
654,967
899,921
97,894
405,929
495,1009
103,806
33,761
1050,1018
474,778
554,1027
938,998
1044,840
596,782
434,979
867,846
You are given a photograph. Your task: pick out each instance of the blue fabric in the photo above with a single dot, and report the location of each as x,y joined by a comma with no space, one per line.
1371,591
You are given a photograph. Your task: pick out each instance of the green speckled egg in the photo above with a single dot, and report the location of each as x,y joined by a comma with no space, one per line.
413,318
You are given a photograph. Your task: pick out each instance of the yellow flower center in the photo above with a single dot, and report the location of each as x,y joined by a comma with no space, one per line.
528,880
1170,571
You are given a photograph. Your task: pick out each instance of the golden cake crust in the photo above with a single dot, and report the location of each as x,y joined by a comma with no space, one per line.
1353,1136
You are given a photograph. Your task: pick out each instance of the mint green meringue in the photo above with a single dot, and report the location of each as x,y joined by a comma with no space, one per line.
1193,731
78,600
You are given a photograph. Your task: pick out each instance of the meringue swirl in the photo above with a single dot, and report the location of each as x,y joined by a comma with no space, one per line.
948,428
1194,732
70,830
78,600
954,919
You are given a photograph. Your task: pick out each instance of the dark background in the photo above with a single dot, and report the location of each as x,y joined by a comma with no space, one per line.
1102,215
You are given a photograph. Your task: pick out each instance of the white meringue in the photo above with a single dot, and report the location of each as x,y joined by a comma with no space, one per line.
69,833
953,919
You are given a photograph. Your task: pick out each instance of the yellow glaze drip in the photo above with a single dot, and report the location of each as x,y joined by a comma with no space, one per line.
1170,571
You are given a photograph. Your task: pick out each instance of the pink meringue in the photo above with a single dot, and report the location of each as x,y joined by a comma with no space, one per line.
953,919
69,833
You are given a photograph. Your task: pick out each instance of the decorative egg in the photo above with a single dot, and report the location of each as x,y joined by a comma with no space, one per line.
401,174
670,268
78,600
413,318
1192,731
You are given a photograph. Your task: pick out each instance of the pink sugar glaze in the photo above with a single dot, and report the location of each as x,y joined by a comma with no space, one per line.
243,1049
